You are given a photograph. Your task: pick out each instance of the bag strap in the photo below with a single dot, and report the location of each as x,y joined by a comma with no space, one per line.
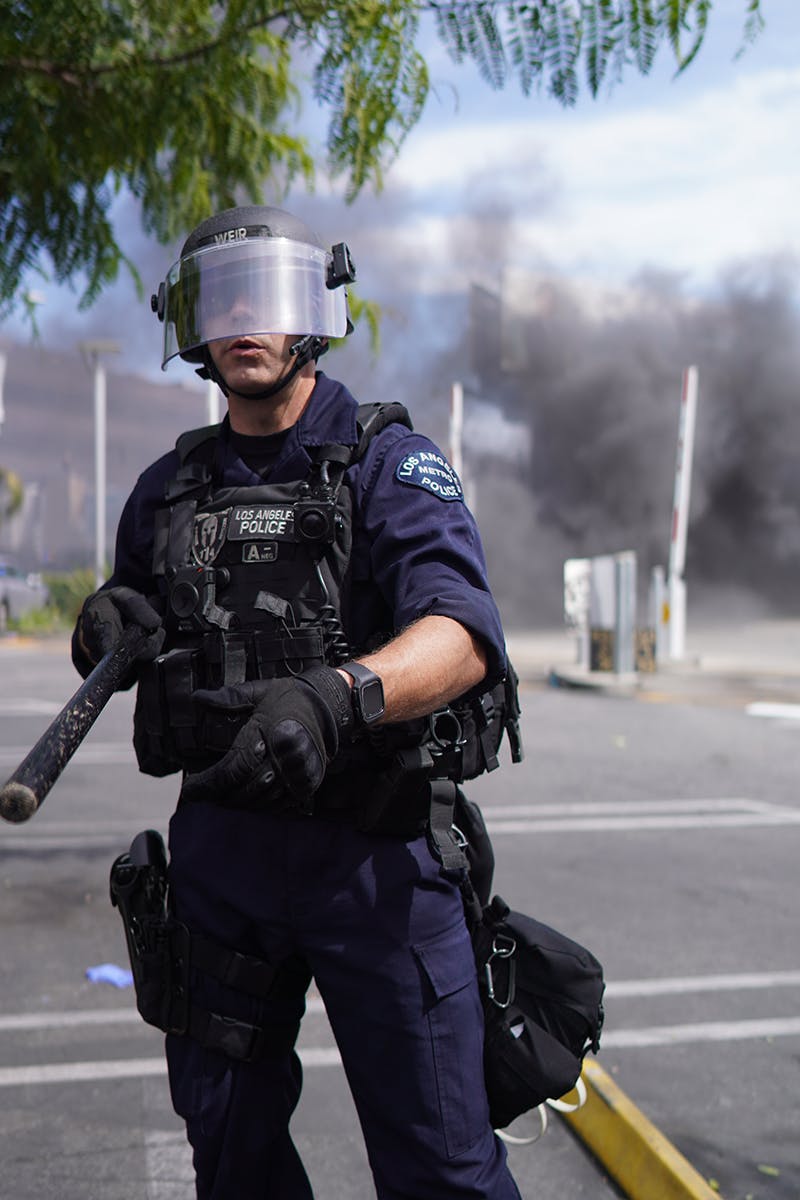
448,842
371,419
449,845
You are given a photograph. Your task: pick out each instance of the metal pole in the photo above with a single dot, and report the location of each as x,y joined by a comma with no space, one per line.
91,352
212,402
624,612
99,471
676,585
3,362
457,428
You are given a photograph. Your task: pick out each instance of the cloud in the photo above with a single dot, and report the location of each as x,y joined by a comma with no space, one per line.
685,177
689,184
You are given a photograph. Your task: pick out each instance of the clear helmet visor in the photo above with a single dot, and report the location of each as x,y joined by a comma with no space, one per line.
256,286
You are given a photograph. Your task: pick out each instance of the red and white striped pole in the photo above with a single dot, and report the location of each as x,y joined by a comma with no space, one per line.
676,585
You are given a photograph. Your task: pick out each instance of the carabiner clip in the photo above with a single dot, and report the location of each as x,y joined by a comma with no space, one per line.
502,947
459,839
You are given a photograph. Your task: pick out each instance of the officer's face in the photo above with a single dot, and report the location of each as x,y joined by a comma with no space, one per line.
248,360
251,361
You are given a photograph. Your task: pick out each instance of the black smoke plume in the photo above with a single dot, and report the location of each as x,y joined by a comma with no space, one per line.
597,382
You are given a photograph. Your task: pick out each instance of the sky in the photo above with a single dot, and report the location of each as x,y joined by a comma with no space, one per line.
690,175
683,174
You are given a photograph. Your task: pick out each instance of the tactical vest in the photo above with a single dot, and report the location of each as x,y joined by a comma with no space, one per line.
255,581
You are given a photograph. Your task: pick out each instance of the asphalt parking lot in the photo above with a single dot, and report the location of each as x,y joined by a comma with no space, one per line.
659,827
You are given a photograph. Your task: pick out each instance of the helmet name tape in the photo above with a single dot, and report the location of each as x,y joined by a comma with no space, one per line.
231,235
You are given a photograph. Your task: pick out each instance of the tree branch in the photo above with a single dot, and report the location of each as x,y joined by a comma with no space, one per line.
75,78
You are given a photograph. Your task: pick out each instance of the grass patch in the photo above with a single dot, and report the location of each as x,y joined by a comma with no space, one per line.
68,590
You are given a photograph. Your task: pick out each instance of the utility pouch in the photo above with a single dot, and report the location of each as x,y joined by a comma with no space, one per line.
462,740
158,946
542,997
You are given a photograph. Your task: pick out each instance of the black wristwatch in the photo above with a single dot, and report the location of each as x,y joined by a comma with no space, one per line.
367,692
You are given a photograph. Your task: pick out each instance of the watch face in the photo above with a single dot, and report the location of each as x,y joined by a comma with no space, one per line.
371,700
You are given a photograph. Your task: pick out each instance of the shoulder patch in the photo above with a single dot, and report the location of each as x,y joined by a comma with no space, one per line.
432,472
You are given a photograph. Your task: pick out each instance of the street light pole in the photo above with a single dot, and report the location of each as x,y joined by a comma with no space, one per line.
92,352
212,402
457,428
3,362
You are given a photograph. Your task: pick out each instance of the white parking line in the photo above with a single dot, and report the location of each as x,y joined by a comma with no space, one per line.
81,1072
682,984
328,1056
75,828
28,706
591,808
778,817
616,988
734,812
21,1022
325,1056
78,842
702,1031
779,712
127,1068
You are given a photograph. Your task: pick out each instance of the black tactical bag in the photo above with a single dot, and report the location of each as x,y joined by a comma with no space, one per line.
542,997
542,993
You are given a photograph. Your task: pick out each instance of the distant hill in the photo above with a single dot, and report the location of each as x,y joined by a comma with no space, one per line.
48,440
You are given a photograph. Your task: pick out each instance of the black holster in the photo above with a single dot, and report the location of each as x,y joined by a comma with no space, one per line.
158,945
163,952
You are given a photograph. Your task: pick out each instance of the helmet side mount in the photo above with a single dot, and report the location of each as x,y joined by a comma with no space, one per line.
341,268
158,301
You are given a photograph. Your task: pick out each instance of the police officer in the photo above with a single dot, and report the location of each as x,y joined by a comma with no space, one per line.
315,597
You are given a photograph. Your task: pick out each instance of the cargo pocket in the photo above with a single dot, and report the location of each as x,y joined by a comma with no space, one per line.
455,1022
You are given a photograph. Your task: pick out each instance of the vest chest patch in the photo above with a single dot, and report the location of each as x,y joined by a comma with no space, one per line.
262,521
432,473
208,536
259,529
259,552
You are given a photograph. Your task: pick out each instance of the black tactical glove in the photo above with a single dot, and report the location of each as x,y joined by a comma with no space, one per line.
295,729
104,616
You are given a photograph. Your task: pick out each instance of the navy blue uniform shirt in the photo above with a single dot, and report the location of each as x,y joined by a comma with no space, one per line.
416,547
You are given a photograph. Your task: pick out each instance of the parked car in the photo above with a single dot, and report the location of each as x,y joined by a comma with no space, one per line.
19,593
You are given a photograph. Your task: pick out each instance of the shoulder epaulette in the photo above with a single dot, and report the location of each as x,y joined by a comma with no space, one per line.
192,438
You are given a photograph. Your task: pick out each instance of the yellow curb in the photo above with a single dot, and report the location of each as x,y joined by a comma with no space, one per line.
636,1154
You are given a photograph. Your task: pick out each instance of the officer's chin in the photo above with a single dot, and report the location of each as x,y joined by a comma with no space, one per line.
248,381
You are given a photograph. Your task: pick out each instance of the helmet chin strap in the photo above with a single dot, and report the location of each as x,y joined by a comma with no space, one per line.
303,351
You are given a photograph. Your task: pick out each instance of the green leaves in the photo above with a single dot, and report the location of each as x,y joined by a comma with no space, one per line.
190,104
544,41
183,104
375,83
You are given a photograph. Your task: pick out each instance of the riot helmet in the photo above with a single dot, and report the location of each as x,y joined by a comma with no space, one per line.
249,271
